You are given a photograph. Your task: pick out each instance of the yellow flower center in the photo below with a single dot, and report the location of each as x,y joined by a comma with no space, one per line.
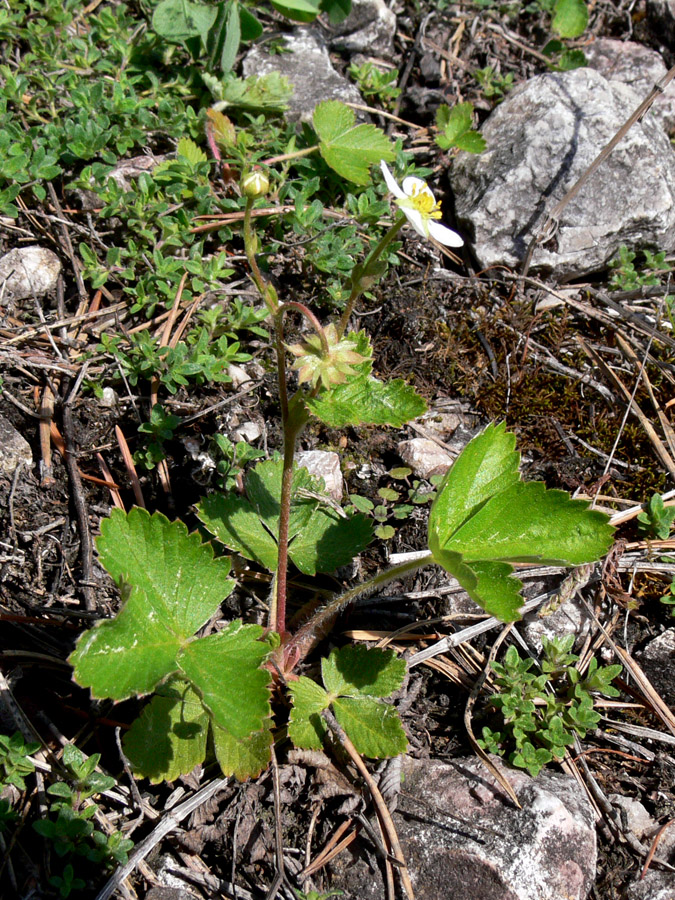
423,201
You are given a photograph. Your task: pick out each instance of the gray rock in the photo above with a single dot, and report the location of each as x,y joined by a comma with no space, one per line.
571,617
309,70
661,17
369,28
462,838
28,272
14,449
541,139
638,66
424,457
658,661
323,464
654,886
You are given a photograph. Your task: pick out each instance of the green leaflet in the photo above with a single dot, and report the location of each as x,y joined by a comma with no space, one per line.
349,149
353,677
168,739
171,586
320,540
484,518
367,401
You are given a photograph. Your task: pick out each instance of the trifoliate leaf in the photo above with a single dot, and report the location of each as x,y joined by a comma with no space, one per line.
349,149
362,671
171,585
571,18
319,539
225,670
306,727
373,727
242,757
367,401
484,518
169,737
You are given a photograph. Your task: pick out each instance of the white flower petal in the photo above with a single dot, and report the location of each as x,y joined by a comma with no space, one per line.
391,181
417,220
443,235
415,186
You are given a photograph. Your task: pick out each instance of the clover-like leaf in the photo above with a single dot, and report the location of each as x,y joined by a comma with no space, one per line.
169,737
484,518
320,540
225,670
353,677
367,401
349,149
170,584
456,131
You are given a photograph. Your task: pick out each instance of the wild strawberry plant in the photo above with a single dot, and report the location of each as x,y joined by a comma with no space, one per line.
221,690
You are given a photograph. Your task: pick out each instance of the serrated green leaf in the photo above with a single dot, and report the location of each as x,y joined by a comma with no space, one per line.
349,149
373,727
319,539
356,670
306,727
225,670
190,151
242,757
489,584
171,585
471,142
571,18
236,524
337,10
488,464
455,121
367,401
484,518
529,523
169,737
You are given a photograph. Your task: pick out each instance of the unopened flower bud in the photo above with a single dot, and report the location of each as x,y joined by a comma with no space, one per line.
255,184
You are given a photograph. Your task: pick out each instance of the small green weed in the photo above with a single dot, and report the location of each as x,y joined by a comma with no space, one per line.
375,84
156,432
15,761
656,519
494,85
627,277
542,713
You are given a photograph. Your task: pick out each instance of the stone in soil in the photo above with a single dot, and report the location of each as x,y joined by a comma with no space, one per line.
540,140
308,68
28,272
14,449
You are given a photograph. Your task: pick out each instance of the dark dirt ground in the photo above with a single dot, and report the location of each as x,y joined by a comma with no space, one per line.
477,339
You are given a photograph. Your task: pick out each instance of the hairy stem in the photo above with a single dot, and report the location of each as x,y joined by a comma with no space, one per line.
296,154
267,292
361,273
313,631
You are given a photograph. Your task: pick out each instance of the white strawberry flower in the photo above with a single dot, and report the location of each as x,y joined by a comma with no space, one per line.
420,207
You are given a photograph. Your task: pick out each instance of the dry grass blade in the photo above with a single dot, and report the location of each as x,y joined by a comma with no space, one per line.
131,468
383,813
478,750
